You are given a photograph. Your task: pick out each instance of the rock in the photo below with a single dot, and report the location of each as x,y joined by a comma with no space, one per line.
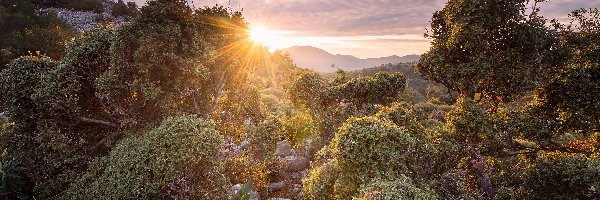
244,146
298,190
276,186
278,199
297,176
296,163
283,149
236,188
84,20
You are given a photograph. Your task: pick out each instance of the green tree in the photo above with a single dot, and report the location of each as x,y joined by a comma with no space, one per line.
490,47
168,61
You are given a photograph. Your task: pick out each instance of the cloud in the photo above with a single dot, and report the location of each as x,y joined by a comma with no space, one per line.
338,20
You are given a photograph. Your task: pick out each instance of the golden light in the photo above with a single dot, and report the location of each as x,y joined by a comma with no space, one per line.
272,39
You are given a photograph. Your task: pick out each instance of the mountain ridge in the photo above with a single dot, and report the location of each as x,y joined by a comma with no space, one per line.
320,60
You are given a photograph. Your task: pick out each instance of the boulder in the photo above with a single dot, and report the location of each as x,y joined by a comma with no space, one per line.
277,186
296,163
283,149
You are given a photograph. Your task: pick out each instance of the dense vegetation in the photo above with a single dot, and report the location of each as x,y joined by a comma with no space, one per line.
181,104
23,32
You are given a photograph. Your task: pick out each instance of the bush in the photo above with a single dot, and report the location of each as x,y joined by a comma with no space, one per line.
362,149
182,148
563,176
263,139
320,182
399,188
299,127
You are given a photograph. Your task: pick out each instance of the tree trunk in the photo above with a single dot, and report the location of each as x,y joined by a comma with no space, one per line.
218,91
95,121
481,170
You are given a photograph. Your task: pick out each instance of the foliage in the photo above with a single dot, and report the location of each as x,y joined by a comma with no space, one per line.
143,166
263,139
163,62
560,176
399,188
320,182
306,90
57,97
237,109
120,9
366,148
476,48
22,32
245,167
569,100
299,127
382,88
244,193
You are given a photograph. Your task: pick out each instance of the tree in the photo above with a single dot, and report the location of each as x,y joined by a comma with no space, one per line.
120,9
490,47
569,100
171,60
115,84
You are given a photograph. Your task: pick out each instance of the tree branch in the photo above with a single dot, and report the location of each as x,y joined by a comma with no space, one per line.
220,87
96,121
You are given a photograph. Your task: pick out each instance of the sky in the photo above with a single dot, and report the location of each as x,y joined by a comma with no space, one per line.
362,28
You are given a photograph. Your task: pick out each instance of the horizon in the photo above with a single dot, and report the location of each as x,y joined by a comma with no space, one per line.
363,29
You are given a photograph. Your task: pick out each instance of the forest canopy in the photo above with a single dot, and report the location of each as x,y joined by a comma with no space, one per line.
181,103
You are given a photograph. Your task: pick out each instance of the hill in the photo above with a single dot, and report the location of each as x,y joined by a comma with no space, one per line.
321,60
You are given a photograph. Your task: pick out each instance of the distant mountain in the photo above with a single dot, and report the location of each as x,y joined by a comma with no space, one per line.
321,60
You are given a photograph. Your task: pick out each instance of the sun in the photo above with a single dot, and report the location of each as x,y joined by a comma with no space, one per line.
269,38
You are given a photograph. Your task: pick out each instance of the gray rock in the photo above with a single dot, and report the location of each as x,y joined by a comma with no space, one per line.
236,188
296,163
277,186
244,146
298,190
283,149
278,199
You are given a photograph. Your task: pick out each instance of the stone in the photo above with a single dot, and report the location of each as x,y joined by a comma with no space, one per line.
276,186
296,163
236,188
283,149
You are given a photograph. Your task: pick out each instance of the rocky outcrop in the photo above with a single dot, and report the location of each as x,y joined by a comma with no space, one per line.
84,20
283,149
277,186
296,163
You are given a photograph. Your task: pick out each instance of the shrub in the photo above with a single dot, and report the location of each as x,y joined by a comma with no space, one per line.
563,176
144,166
297,128
320,182
363,149
263,139
398,188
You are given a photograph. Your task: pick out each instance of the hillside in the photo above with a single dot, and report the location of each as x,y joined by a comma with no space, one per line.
321,60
